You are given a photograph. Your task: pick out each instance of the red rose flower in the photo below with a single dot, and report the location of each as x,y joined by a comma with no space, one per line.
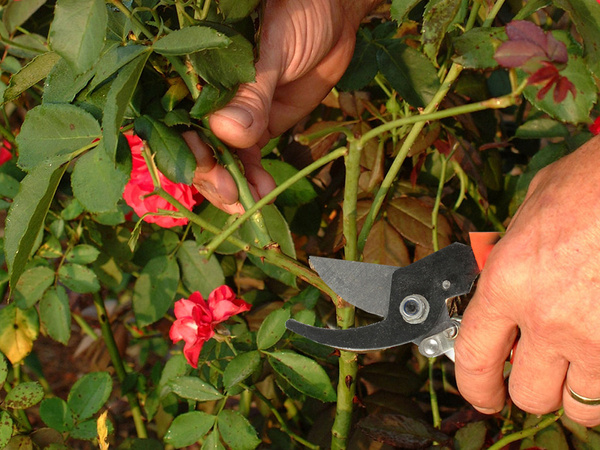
595,127
197,318
140,185
5,153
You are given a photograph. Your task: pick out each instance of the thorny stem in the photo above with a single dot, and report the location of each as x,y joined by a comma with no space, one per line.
348,361
223,235
115,356
263,238
121,7
527,431
270,255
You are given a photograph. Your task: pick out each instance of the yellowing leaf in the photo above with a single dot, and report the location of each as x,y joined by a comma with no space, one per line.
18,330
102,431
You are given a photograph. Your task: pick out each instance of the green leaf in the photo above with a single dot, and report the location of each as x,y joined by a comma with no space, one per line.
189,40
77,32
439,16
55,314
198,273
550,438
117,100
16,13
211,99
82,254
56,414
173,157
89,394
573,110
304,374
3,370
175,367
541,128
24,395
6,428
9,187
193,388
236,431
234,10
97,181
18,329
476,48
30,75
88,430
400,8
62,84
300,193
52,130
272,328
26,216
213,441
218,219
363,65
113,60
78,278
471,436
155,289
240,368
189,428
32,285
585,16
280,232
227,66
409,72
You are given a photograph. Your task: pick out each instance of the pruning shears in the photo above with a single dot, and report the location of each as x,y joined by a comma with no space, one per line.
411,300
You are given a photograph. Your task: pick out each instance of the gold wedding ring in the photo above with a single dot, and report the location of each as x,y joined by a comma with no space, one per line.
583,400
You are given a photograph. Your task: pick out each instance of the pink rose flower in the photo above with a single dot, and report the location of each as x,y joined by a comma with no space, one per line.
140,185
5,153
197,318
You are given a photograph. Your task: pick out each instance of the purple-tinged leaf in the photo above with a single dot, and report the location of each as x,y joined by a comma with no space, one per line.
516,53
562,88
556,50
522,30
544,74
401,431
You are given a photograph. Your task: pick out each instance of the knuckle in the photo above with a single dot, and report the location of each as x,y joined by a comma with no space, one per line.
530,400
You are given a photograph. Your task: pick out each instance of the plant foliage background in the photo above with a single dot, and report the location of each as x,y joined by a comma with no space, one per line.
446,112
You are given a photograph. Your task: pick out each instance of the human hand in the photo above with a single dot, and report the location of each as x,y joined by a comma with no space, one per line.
305,48
541,279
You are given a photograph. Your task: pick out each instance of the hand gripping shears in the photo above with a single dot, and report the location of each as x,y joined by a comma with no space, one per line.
411,300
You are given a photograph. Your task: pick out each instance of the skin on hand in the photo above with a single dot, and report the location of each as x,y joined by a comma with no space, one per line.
541,280
305,48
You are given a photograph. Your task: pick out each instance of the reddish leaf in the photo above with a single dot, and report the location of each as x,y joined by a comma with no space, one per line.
522,30
386,246
516,53
556,50
546,73
543,91
562,88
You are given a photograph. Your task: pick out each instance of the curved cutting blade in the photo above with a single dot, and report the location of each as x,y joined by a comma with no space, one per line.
366,286
376,336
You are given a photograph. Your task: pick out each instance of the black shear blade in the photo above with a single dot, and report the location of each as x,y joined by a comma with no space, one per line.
364,285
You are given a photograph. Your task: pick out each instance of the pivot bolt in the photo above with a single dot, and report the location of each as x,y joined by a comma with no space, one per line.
414,309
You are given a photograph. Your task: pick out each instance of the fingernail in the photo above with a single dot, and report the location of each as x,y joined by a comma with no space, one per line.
237,114
486,410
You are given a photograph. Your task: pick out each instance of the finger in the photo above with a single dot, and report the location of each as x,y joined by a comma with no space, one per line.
257,176
482,346
205,159
584,381
219,188
243,122
537,376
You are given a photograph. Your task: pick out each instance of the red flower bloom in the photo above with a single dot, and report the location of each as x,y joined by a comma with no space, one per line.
595,127
140,185
197,318
5,153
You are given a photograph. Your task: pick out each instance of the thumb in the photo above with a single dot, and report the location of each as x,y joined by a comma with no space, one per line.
244,121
